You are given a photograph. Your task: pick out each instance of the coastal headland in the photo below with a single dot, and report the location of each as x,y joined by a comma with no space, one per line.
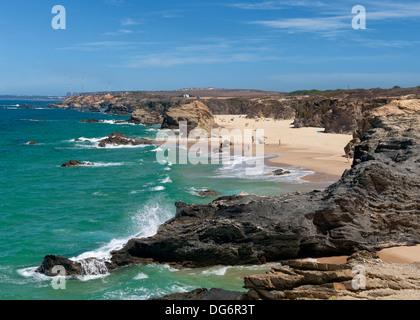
366,142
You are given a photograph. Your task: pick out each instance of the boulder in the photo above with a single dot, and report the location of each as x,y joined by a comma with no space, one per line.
90,121
119,139
75,163
208,193
49,262
280,172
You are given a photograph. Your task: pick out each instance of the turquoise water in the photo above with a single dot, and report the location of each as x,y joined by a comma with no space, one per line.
88,211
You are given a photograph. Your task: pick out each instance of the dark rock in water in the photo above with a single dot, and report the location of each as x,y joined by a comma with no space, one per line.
120,139
280,172
204,294
208,193
90,121
375,205
145,116
75,163
49,262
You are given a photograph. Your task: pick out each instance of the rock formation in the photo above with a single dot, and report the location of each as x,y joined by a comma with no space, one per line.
75,163
363,277
374,205
119,139
146,116
208,193
90,121
196,114
341,112
280,172
409,106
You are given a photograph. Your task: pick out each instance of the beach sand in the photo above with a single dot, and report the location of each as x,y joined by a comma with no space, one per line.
401,255
309,148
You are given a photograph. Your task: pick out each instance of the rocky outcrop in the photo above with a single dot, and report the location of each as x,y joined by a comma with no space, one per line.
75,163
363,277
374,205
195,114
119,139
90,121
49,262
408,106
342,112
280,172
270,108
146,116
336,115
208,193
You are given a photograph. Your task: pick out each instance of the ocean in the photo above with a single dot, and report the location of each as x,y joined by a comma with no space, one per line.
89,211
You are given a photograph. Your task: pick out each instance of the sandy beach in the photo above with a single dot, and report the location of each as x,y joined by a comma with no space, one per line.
309,148
403,255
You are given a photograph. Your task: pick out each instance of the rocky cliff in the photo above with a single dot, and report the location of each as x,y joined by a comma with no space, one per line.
126,104
341,112
374,205
146,116
195,114
279,108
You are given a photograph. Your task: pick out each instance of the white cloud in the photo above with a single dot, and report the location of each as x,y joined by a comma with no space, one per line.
307,24
105,45
219,51
130,22
176,59
276,5
334,18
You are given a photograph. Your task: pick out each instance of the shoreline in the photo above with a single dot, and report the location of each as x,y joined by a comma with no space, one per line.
308,148
398,255
325,158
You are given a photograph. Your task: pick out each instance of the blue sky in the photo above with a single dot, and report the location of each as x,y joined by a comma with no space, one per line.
279,45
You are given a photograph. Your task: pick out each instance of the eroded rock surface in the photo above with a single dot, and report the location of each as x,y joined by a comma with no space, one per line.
146,116
196,114
363,277
119,139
